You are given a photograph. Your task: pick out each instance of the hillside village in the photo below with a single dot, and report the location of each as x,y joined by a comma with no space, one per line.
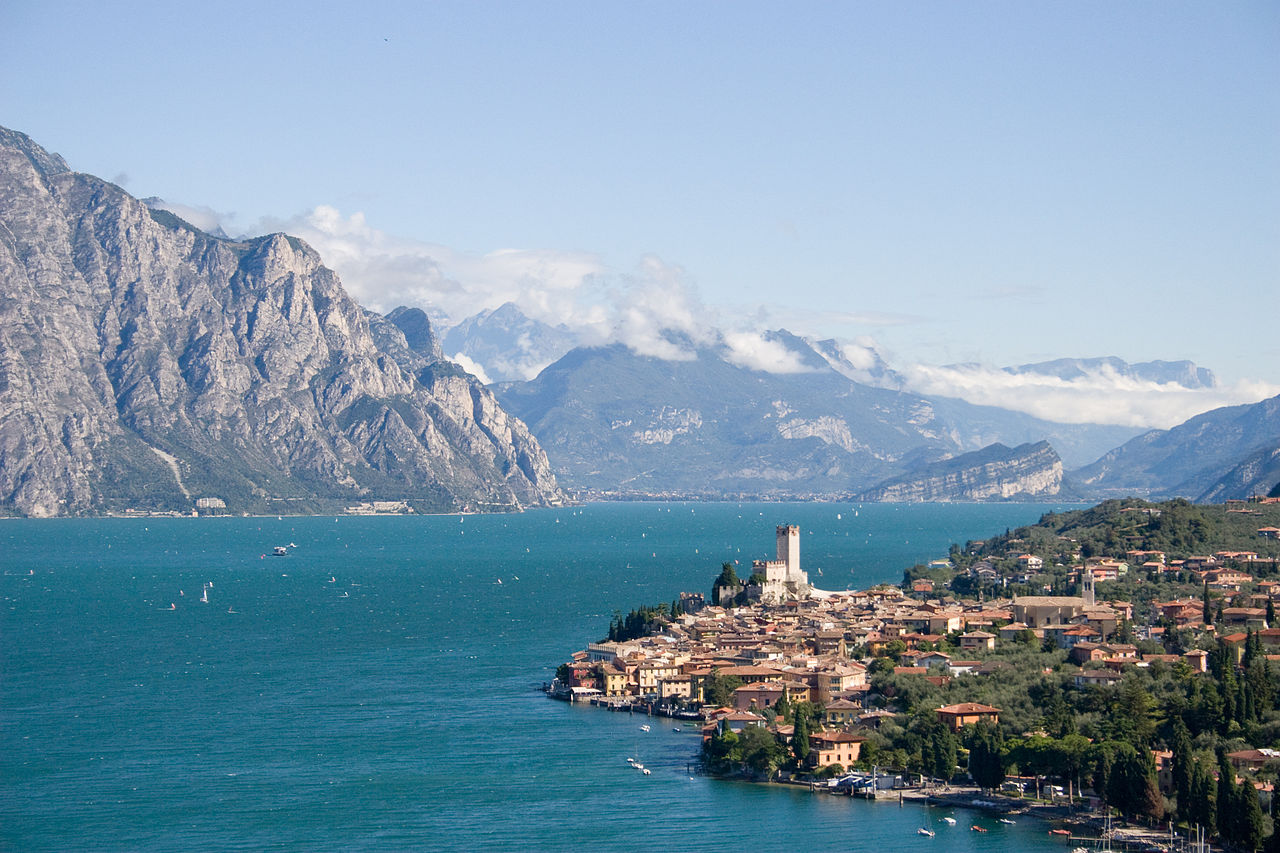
1035,657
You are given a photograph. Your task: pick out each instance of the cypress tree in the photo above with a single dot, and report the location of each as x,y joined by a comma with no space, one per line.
1248,823
1182,767
1227,817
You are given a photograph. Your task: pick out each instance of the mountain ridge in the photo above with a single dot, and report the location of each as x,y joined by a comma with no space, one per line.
144,363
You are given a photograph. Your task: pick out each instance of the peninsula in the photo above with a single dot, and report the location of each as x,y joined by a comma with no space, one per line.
1118,658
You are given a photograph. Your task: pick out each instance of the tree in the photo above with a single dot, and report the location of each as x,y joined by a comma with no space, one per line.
1248,826
800,736
760,750
986,755
1202,809
717,689
939,753
1183,765
728,579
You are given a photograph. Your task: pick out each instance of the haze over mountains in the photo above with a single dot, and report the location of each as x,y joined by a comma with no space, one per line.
146,363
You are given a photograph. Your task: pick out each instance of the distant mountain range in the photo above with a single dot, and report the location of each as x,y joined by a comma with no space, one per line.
841,423
1225,453
148,365
616,422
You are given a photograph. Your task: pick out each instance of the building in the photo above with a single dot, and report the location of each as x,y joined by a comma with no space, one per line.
1036,611
956,717
826,748
783,579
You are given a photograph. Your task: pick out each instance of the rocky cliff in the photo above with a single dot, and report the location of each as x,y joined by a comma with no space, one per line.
145,364
993,473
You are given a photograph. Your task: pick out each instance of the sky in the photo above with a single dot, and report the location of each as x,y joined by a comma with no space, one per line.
989,183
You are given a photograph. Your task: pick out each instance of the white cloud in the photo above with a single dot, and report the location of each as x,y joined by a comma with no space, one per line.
470,366
754,352
1103,396
204,218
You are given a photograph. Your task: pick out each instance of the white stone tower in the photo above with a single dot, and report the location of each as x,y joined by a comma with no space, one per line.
1087,587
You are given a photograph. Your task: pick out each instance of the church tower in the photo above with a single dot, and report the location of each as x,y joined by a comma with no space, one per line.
1087,586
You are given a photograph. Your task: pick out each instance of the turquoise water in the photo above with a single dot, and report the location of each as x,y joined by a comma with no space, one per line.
376,688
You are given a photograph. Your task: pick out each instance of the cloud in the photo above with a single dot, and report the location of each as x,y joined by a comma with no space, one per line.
205,218
754,352
1101,396
471,367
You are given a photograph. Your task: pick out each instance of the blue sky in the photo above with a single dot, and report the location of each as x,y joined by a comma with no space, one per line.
999,182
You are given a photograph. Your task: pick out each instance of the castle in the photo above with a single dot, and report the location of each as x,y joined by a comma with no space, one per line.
783,579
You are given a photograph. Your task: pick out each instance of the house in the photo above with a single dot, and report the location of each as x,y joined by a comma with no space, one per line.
956,717
758,696
1197,659
1030,562
1253,618
739,720
1040,610
929,659
977,641
842,712
1253,760
826,748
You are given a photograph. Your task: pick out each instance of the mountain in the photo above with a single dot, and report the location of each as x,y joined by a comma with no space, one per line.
1183,373
1187,460
507,345
993,473
616,421
613,421
1257,474
145,364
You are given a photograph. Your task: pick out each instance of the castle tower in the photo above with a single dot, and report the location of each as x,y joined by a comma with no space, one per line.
789,549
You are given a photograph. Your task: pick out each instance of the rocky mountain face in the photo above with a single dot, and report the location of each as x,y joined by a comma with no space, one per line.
1257,474
616,422
1030,471
1188,460
146,364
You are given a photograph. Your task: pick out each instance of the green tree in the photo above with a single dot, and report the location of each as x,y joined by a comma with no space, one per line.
800,737
986,755
1248,827
717,689
728,579
1203,807
1183,765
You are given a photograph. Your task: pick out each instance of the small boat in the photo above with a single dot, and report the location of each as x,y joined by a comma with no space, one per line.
1006,820
644,728
950,820
646,771
280,551
976,828
923,831
675,728
204,595
1065,832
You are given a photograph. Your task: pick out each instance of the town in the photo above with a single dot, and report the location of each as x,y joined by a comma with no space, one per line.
1068,665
